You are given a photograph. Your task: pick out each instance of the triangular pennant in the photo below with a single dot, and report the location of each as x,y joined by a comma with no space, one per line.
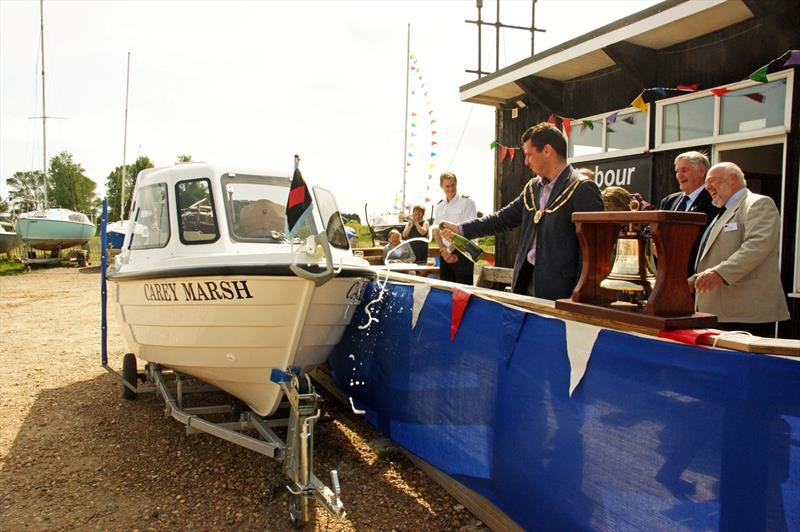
432,165
691,88
493,145
420,295
432,121
430,112
413,114
794,58
756,97
503,152
459,302
580,340
760,75
413,124
661,91
612,117
567,127
511,152
434,143
433,154
639,103
433,132
589,124
630,119
720,91
551,120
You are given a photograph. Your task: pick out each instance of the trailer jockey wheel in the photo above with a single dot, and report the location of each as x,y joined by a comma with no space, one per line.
129,373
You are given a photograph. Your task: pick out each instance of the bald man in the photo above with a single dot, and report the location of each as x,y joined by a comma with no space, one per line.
738,275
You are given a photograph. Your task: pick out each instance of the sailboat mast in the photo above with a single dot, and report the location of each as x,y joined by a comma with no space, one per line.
44,111
124,145
405,119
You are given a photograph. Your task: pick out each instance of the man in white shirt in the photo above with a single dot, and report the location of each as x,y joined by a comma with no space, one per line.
456,208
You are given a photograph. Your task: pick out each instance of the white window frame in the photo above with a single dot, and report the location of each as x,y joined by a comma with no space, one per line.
604,154
716,137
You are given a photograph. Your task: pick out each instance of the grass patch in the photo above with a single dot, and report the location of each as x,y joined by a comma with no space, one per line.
11,267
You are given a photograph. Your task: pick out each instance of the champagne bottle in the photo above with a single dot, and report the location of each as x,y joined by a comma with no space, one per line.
466,246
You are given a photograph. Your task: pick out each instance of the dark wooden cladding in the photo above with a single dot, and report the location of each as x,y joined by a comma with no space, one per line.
721,57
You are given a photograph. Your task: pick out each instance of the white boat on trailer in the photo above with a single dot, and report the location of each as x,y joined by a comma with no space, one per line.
229,299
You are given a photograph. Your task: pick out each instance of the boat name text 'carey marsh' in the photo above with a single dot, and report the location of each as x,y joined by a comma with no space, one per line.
197,291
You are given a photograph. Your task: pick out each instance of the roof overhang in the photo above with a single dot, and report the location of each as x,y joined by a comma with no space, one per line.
661,26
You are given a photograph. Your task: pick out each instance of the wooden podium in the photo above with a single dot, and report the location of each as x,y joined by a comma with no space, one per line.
670,305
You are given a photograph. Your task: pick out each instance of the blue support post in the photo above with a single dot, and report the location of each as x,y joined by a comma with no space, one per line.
103,294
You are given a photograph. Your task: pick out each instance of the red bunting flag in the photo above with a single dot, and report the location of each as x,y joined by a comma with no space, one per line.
756,97
503,151
691,88
434,143
511,152
552,120
567,126
459,302
721,91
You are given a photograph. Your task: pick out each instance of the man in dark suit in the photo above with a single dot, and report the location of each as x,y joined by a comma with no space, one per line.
690,172
548,261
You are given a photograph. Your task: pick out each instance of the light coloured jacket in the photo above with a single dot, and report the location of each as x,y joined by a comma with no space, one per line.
743,249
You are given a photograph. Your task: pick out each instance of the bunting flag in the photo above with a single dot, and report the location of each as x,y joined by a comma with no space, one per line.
639,104
760,75
794,58
567,127
511,152
298,205
503,152
552,120
588,123
720,92
689,88
756,96
580,340
420,295
629,120
612,117
459,302
493,145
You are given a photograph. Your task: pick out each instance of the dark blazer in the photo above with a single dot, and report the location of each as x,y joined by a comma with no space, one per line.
558,256
702,204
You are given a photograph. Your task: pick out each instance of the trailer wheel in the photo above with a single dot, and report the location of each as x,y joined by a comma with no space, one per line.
296,511
129,373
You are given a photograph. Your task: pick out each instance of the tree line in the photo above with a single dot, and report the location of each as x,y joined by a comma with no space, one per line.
68,187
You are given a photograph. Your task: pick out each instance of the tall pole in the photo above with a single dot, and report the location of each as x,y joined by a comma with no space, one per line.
497,40
44,111
124,145
405,119
533,24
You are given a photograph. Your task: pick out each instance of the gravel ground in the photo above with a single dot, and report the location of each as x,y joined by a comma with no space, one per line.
74,455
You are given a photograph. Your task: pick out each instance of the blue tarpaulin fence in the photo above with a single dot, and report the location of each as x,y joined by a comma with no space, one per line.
657,436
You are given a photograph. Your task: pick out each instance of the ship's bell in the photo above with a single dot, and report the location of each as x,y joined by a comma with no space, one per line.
633,271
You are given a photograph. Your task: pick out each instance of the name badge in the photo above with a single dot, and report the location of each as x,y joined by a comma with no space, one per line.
730,227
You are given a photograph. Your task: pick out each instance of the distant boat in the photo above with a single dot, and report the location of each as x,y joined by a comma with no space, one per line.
8,238
116,234
54,229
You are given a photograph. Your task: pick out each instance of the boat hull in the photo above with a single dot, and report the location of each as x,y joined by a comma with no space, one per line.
8,241
232,330
49,235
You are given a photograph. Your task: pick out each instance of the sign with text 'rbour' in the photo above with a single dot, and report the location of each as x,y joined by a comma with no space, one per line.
633,174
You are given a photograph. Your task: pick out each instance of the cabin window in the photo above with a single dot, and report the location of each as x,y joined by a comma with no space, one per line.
197,220
256,208
151,217
584,140
329,212
626,132
757,107
693,119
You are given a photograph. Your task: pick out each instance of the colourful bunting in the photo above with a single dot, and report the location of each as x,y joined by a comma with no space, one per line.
567,126
612,117
760,75
629,119
756,97
639,104
493,145
691,88
552,120
511,152
794,58
503,152
720,91
589,124
459,305
433,154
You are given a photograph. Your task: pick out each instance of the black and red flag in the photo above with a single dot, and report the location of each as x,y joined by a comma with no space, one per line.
298,207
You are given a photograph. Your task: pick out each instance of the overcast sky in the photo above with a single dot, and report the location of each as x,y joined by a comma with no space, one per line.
255,82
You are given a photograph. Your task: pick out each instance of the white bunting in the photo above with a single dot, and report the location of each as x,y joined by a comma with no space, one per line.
580,342
420,295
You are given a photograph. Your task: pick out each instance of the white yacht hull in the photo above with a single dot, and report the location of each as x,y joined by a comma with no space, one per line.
232,330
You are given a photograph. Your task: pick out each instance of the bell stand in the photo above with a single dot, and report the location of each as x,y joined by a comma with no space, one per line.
670,305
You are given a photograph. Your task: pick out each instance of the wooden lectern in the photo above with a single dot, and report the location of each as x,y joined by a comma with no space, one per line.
670,305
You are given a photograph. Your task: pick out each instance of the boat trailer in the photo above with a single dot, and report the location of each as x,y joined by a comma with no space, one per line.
31,258
296,453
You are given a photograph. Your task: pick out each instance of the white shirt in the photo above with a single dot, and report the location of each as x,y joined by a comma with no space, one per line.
460,209
693,196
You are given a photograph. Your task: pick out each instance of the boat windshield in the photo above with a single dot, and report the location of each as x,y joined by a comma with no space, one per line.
256,208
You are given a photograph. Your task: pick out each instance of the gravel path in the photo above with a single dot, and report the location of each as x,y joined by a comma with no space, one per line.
74,455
